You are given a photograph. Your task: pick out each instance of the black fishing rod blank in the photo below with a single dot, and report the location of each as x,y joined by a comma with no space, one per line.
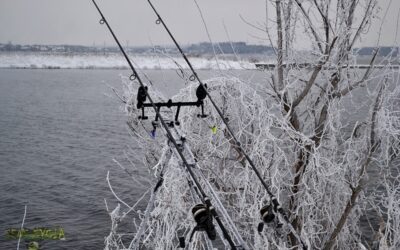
135,76
204,88
194,76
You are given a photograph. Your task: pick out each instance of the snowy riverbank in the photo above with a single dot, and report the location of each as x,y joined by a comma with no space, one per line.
111,61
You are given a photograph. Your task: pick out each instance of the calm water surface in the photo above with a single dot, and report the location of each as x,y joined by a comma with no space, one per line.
59,131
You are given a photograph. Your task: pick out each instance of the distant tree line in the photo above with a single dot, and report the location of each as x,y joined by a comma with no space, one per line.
383,51
229,48
192,49
54,48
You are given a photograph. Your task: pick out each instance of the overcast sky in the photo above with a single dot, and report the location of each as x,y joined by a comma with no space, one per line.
76,21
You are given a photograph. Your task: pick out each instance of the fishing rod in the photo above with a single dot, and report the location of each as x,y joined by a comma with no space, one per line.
164,161
275,202
165,158
214,195
135,76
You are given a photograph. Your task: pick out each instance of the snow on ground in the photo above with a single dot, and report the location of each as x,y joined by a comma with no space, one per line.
116,61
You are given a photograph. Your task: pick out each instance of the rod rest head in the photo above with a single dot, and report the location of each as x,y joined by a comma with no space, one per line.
201,92
169,103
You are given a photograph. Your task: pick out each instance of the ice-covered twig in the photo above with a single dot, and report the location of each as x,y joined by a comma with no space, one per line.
22,226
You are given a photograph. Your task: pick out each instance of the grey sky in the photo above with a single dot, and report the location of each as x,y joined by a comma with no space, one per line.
76,21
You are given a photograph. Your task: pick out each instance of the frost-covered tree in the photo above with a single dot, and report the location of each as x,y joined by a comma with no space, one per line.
324,135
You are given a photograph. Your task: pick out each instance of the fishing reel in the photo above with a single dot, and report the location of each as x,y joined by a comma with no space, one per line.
267,216
203,217
202,214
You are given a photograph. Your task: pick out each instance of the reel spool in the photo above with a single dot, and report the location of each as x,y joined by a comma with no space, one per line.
202,216
267,216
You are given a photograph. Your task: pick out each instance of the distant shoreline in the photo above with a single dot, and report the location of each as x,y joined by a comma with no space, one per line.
45,60
154,61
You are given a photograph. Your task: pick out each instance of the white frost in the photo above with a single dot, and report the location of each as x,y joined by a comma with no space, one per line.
110,61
